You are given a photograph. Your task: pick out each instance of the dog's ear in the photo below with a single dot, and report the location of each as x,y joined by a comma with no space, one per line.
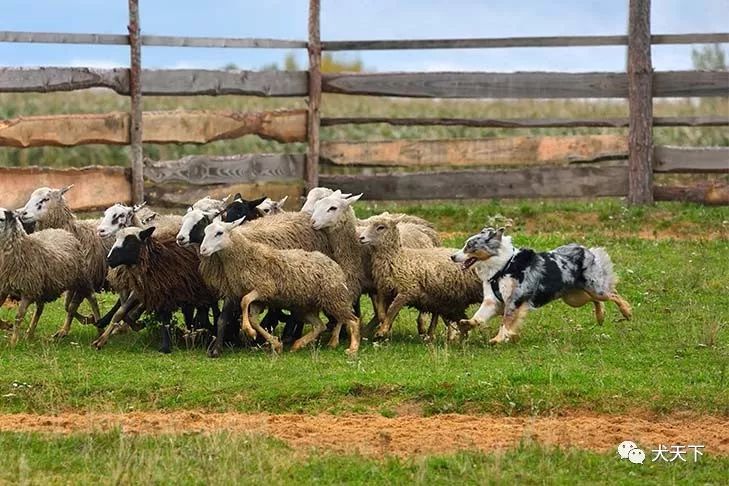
499,233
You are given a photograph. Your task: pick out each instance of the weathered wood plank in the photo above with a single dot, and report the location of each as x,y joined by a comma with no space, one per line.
640,103
523,85
94,187
182,194
148,40
665,121
156,82
713,193
209,169
477,152
313,119
135,114
573,181
160,127
561,41
691,159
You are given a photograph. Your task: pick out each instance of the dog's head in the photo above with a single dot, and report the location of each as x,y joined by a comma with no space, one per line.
479,247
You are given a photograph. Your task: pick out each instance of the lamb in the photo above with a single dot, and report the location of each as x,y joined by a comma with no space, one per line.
415,232
269,207
38,268
334,216
308,282
164,277
282,231
120,216
47,208
425,279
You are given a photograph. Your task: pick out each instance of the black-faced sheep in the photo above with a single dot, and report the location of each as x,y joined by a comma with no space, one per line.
164,277
38,268
308,282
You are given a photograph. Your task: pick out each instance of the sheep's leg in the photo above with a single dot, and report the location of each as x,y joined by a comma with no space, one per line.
166,347
354,336
334,339
386,326
131,319
431,328
126,307
224,319
106,319
19,317
34,322
4,324
95,313
422,324
253,324
308,338
70,313
188,315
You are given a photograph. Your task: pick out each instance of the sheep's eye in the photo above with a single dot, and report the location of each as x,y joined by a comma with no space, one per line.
381,228
219,233
333,208
267,210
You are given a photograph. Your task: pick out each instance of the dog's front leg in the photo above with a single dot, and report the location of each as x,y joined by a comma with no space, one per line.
489,308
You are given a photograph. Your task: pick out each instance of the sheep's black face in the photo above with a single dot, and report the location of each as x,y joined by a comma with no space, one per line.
126,250
197,234
125,254
240,208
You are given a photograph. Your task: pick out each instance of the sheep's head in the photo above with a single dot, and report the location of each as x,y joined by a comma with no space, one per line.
217,236
329,210
380,230
41,201
210,205
479,247
128,246
115,218
269,206
193,227
241,208
315,195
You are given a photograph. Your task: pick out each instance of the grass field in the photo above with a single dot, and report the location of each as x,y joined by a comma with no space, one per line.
99,101
671,359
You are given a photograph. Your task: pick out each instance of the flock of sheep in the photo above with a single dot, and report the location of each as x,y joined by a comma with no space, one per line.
251,255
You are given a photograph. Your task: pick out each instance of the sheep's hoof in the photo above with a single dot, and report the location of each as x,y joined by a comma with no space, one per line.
277,347
60,334
333,343
351,353
214,353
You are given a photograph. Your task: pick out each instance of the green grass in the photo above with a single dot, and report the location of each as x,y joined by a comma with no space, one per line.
99,101
673,356
115,458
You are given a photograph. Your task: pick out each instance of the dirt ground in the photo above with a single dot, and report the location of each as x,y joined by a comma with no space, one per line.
404,436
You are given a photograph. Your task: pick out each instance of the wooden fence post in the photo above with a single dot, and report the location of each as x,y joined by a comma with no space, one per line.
135,91
313,119
640,101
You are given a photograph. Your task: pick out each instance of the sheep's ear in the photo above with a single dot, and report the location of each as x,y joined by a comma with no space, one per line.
65,189
238,197
146,233
337,193
258,201
283,201
353,199
236,223
225,199
189,210
137,207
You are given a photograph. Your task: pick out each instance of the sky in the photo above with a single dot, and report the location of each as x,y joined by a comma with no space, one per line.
358,19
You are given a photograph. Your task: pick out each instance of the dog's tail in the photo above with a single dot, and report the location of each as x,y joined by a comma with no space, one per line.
599,271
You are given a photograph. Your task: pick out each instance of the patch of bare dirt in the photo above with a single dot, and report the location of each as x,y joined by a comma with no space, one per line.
409,435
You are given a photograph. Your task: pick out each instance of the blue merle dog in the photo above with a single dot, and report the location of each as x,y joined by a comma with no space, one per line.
517,280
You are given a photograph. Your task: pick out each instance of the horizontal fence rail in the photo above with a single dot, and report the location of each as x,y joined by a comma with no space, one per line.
552,41
156,82
148,40
355,45
659,121
159,127
210,169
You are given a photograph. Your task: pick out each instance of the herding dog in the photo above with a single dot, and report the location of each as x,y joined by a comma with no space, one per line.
517,280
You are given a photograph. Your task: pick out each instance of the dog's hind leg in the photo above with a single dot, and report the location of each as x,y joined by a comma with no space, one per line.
599,312
622,304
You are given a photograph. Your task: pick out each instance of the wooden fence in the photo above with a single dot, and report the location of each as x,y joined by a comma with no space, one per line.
594,165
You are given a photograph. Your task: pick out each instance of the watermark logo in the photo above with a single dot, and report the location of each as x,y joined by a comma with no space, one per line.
629,450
